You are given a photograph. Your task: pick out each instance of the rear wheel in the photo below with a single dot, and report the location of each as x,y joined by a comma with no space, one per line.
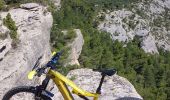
24,93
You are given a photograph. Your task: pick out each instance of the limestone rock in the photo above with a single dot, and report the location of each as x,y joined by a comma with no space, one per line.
34,35
5,41
29,6
76,48
148,44
150,23
113,88
114,25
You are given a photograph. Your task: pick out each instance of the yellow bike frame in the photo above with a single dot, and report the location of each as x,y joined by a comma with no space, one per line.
61,82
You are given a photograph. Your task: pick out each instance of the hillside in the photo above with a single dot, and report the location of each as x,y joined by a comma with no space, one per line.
129,35
139,43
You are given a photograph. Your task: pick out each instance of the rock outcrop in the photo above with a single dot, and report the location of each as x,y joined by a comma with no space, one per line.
34,23
5,41
76,48
113,88
147,19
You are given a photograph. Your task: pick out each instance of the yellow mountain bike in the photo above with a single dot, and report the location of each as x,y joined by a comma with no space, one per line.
40,93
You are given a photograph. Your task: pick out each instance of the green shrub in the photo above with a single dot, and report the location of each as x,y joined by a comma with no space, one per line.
2,4
70,36
12,1
73,77
10,24
132,24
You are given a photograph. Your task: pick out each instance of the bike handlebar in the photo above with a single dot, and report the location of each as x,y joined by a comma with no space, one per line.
54,60
56,57
50,64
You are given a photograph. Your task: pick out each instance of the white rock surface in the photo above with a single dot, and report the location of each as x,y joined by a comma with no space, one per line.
114,25
149,42
113,88
29,6
34,25
123,24
5,41
76,48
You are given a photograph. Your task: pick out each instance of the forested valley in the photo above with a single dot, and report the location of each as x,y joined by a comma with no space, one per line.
149,73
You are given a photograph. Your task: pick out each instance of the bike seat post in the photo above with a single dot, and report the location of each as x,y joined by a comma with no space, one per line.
100,85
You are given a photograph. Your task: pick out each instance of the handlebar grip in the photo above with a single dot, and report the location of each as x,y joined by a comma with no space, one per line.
54,53
31,74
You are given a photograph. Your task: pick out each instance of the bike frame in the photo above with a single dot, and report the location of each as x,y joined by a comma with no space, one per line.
61,82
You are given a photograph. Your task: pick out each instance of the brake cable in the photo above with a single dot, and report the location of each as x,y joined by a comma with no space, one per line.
37,63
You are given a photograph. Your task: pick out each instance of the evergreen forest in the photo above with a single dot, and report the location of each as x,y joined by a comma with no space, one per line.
148,73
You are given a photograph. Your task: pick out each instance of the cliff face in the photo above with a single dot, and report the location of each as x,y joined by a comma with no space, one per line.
34,23
148,20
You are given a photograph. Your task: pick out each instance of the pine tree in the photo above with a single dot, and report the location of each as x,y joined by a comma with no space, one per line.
8,21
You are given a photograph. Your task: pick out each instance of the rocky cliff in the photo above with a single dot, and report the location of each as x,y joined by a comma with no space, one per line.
148,20
76,48
34,23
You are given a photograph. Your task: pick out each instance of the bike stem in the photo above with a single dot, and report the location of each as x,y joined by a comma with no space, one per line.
100,85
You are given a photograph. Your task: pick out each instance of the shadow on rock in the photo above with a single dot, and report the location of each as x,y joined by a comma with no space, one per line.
129,98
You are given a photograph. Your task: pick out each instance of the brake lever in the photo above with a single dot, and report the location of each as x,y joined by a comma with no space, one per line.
37,63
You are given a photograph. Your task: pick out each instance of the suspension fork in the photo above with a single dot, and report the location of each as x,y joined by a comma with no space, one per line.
42,88
45,82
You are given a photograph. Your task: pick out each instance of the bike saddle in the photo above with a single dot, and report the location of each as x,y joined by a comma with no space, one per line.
109,72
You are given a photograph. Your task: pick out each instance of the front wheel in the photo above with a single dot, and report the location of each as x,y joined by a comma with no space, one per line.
24,93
